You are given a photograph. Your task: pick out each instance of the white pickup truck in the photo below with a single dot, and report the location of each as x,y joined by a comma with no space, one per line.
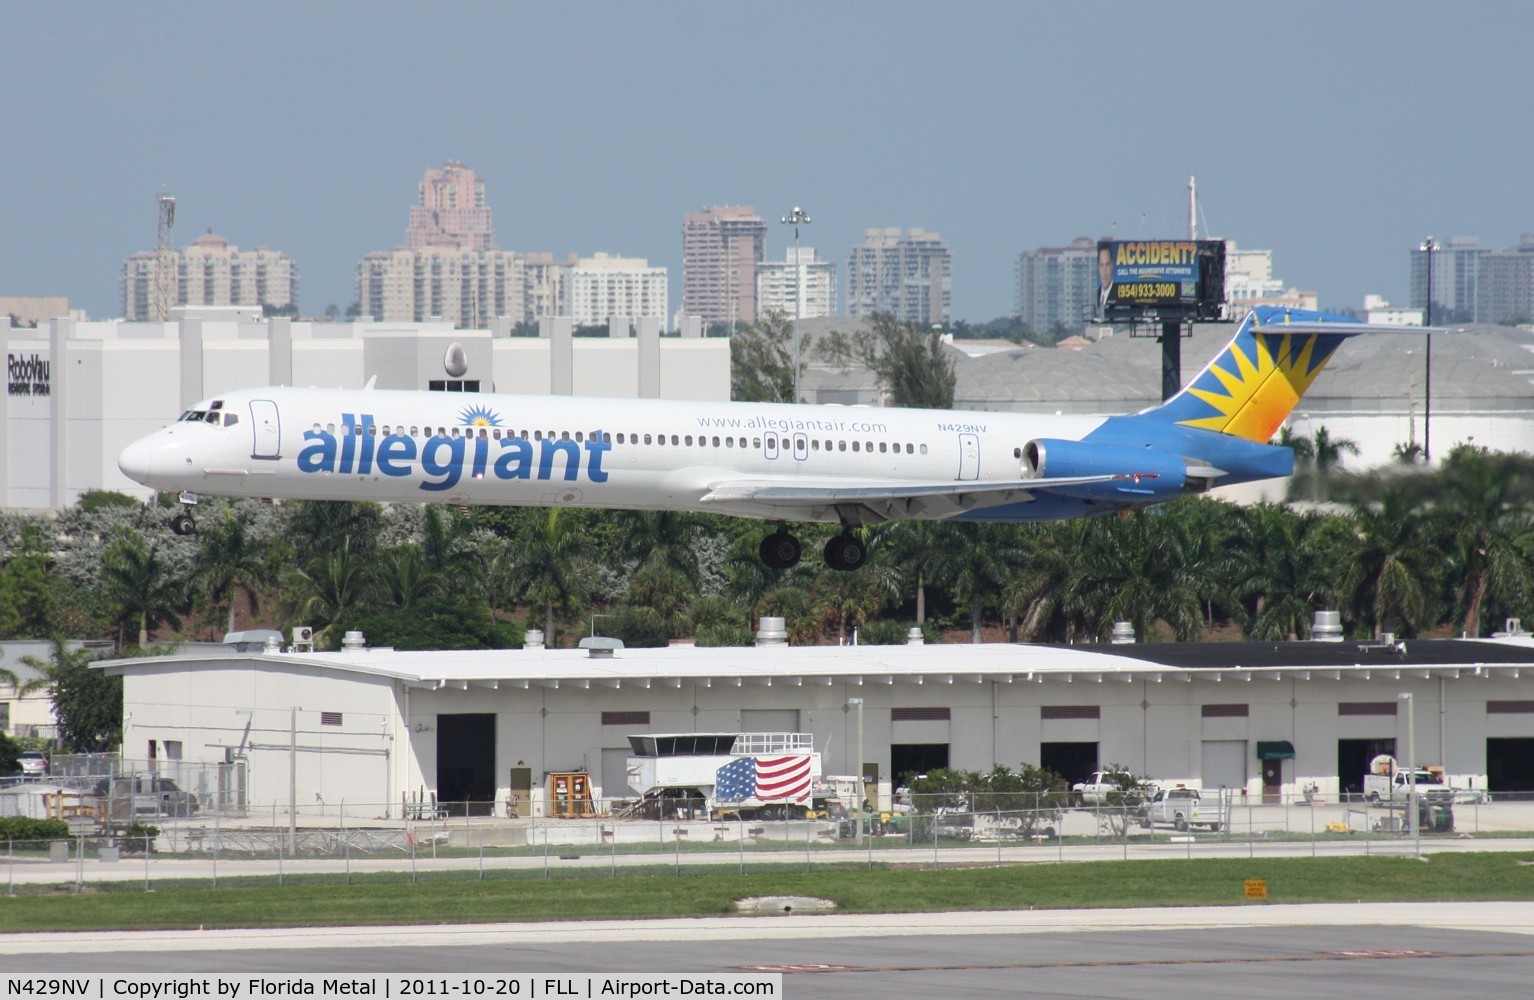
1183,808
1394,788
1096,789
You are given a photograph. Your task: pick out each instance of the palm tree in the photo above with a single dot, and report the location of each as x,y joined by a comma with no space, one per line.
1328,456
916,552
229,560
1133,568
1486,529
663,537
331,586
404,579
136,583
447,548
1035,597
1276,568
550,567
976,562
1388,579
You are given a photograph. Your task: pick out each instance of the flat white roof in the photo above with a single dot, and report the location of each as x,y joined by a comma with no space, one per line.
796,666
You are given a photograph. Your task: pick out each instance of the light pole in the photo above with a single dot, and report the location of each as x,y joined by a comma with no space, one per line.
293,780
862,792
1411,771
796,218
1428,246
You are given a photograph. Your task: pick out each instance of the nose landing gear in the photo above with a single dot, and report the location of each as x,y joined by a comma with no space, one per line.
182,523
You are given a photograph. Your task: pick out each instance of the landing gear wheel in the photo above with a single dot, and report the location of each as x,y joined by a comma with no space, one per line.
779,550
182,524
845,552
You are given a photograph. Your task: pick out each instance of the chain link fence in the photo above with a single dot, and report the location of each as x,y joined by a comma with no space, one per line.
315,844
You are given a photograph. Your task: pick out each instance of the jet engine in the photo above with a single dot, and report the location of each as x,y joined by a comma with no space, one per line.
1147,474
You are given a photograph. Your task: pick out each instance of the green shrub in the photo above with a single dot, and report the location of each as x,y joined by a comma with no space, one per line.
26,828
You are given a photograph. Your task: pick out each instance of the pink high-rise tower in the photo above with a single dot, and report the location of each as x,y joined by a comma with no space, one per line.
452,211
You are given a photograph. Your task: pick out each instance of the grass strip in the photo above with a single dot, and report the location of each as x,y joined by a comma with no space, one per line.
460,897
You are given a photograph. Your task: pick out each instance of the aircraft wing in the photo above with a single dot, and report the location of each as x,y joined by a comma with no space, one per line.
906,500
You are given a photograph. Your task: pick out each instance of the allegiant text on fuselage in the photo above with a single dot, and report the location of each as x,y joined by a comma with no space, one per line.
443,459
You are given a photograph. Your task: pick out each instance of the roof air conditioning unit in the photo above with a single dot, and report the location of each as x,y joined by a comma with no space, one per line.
303,633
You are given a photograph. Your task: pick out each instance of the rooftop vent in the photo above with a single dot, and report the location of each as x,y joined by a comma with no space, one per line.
772,632
600,647
914,637
533,639
1123,632
353,641
1327,627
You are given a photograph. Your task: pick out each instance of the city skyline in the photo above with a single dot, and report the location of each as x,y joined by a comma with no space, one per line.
1334,136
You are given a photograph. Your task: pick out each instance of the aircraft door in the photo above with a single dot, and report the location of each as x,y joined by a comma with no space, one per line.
265,427
770,444
801,447
969,456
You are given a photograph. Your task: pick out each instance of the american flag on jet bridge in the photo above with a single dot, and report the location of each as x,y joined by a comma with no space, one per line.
766,779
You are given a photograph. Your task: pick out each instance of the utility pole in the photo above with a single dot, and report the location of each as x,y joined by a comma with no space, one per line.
1428,246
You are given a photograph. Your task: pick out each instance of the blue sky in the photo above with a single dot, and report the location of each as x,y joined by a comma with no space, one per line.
1335,134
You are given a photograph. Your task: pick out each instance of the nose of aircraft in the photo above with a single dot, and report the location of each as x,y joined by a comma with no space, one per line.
137,461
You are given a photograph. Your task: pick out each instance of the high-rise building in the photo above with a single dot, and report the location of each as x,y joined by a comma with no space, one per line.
778,285
909,277
1456,275
602,287
212,272
721,249
1505,285
1057,286
451,211
467,288
545,286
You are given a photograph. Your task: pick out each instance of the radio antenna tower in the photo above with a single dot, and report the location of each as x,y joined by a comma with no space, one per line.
165,262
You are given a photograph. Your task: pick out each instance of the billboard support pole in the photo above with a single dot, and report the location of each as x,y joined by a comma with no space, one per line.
1171,359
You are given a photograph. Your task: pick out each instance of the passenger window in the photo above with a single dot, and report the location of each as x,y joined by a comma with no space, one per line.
578,438
923,449
854,446
673,439
608,438
716,442
841,446
647,439
883,447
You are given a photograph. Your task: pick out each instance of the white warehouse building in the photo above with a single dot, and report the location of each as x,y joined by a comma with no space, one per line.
372,727
78,392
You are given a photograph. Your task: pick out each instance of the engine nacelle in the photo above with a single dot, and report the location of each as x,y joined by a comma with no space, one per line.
1151,475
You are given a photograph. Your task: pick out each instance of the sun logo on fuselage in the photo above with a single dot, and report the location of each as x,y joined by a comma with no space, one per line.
479,416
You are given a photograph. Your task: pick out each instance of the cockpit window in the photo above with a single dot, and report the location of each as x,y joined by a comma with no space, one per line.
230,419
212,417
218,404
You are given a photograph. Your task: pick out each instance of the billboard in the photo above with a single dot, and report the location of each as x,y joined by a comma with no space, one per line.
1168,278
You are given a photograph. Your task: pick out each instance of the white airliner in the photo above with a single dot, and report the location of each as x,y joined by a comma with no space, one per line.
777,462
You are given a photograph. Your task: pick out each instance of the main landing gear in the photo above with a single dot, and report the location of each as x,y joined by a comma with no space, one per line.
182,523
780,550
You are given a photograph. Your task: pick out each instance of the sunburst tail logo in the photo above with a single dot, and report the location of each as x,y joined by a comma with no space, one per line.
479,416
1253,385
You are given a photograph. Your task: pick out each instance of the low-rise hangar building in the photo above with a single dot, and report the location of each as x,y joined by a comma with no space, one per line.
361,730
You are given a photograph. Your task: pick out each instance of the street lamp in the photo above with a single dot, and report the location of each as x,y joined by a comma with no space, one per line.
862,792
1428,246
796,218
1411,771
